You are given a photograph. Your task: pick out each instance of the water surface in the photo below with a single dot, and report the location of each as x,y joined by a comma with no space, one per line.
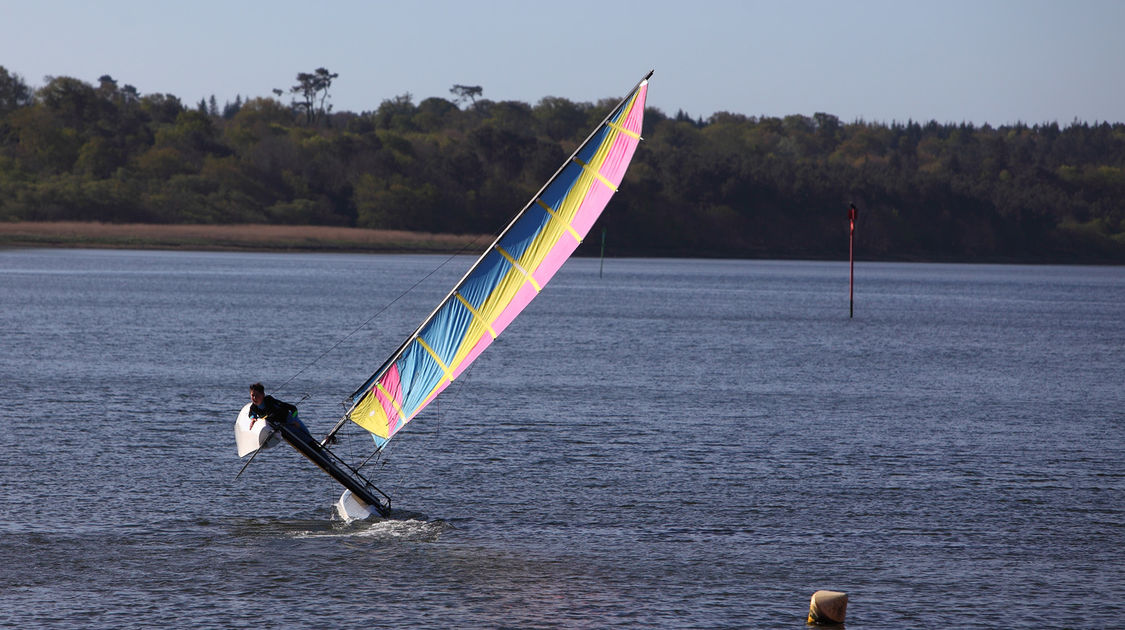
674,443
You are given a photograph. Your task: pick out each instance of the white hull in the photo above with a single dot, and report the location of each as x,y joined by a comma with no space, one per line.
350,508
250,438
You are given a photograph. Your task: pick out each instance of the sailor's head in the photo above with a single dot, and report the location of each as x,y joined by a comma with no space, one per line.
257,393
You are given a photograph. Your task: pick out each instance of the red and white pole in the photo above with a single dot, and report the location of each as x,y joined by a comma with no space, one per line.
851,261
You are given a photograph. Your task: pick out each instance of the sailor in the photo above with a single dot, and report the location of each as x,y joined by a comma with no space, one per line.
275,412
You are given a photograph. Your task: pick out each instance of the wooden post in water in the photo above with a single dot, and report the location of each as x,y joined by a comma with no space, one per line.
852,212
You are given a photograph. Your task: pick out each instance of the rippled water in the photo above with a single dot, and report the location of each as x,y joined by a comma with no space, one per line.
676,443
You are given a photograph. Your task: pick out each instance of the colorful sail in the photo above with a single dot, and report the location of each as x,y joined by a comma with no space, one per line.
513,270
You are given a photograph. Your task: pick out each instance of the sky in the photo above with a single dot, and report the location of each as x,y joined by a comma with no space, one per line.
980,61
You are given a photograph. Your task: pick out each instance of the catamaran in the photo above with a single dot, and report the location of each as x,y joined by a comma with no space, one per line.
497,288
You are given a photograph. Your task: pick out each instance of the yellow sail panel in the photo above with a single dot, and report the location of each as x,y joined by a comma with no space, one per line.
505,292
371,415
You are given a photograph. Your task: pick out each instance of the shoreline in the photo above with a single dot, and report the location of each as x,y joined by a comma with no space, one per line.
240,237
348,240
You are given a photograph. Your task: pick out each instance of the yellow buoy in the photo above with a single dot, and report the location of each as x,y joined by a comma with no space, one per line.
828,607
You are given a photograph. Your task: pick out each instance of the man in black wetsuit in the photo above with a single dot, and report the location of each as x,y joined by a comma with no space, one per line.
275,412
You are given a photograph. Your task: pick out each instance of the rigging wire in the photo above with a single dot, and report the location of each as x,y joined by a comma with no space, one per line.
379,454
464,248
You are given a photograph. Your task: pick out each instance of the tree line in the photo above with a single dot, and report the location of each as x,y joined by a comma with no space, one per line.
730,185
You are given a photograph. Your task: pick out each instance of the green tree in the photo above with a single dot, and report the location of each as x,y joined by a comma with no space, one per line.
463,92
75,103
41,142
312,88
161,108
396,113
561,119
14,92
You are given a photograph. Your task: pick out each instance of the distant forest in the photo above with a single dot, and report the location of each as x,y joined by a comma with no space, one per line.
729,185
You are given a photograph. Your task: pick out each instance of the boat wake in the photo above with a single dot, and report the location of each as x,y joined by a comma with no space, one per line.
408,530
405,528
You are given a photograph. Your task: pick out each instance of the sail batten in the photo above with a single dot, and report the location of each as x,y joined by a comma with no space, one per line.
506,277
601,178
